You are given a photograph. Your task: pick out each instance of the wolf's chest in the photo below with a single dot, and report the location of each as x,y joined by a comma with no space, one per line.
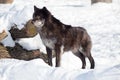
49,42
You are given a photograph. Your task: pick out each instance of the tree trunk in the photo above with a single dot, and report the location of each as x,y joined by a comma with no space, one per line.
95,1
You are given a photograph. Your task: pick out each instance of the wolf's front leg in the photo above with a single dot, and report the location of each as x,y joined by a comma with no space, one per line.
58,55
49,54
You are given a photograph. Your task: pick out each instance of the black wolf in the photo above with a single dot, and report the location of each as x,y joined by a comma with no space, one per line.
60,37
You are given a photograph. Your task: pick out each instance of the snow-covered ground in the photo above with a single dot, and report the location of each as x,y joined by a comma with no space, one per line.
102,22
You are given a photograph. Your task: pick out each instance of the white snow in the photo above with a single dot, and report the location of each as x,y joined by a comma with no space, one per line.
102,22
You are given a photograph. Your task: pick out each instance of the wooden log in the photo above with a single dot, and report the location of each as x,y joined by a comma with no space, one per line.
3,35
29,30
106,1
16,33
18,52
3,52
6,1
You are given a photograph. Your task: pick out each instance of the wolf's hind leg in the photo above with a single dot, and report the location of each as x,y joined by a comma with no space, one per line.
86,50
92,62
89,56
82,57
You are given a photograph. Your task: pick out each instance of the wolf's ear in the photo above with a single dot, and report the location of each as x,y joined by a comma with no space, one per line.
46,12
35,8
44,8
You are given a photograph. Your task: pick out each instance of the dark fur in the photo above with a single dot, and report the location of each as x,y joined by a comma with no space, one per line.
75,39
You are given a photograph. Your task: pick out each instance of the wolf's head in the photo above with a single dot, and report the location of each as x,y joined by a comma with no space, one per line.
40,16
